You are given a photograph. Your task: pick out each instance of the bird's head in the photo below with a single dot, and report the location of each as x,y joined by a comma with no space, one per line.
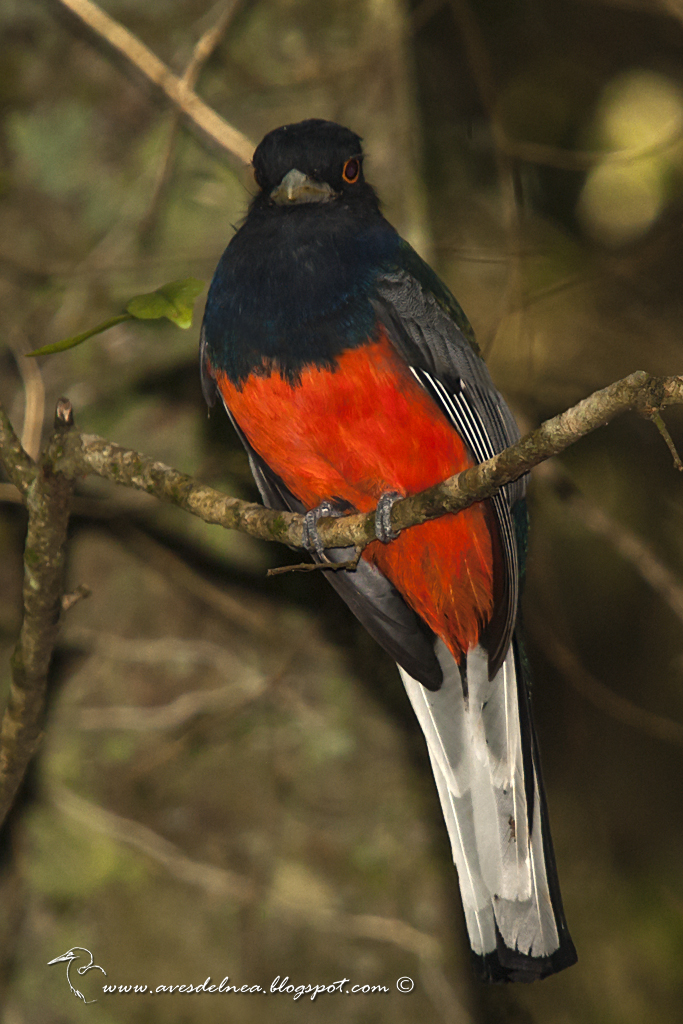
313,161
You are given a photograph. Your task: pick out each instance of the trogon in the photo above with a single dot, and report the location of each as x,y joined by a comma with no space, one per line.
352,377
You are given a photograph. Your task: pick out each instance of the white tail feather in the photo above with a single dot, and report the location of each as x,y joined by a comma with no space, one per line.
475,748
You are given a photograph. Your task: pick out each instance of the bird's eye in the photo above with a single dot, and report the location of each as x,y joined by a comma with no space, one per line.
351,170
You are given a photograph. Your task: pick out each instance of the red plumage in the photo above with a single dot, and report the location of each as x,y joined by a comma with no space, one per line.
365,428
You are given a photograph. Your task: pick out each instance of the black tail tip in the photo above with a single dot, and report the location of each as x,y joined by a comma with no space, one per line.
506,965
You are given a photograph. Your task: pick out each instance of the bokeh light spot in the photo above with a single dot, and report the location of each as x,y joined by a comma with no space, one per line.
640,113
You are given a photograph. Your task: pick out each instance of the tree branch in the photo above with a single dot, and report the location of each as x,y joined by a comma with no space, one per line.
48,500
82,454
638,392
175,89
17,463
47,491
203,49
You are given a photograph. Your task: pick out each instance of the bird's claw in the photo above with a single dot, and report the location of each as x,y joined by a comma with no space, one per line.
383,529
311,539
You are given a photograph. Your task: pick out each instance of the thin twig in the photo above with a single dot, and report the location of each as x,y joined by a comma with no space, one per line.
79,594
581,160
231,697
597,693
10,493
34,402
207,43
661,426
632,548
508,175
220,881
194,111
240,611
349,566
203,49
213,880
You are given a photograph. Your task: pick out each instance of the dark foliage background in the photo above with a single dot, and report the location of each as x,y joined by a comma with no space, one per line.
280,818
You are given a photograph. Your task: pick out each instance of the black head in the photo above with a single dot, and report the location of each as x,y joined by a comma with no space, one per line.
312,161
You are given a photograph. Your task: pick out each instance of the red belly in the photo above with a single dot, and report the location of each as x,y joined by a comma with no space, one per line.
366,428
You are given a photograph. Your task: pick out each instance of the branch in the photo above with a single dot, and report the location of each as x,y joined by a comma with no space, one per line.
203,49
601,696
48,499
17,463
632,548
218,882
70,455
159,75
85,453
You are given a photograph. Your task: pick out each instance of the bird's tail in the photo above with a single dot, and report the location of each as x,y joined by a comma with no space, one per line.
484,755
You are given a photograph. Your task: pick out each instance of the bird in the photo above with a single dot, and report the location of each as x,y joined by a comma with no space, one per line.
75,954
353,378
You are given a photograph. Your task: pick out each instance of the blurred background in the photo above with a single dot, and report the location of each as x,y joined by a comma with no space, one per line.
231,782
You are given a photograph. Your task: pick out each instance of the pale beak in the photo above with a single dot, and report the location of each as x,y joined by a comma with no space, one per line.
296,187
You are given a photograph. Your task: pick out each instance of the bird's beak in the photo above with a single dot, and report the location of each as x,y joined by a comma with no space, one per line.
60,959
297,187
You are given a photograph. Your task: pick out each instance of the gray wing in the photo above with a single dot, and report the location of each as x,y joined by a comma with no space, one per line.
446,364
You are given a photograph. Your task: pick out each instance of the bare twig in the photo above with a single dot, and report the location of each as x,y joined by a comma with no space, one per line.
321,566
239,611
208,42
580,160
594,690
506,166
540,152
48,501
220,881
632,548
204,47
213,880
10,493
194,111
79,594
232,697
661,426
34,402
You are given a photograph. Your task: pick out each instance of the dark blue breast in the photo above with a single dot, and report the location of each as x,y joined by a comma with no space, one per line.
293,288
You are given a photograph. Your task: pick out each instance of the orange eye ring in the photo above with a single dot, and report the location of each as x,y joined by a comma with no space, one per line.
351,171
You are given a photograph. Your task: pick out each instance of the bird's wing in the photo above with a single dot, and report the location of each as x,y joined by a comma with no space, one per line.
430,331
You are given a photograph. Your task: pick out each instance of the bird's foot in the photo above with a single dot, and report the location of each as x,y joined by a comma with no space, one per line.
383,529
334,508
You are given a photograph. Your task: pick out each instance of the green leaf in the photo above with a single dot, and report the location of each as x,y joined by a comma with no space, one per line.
175,301
78,339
